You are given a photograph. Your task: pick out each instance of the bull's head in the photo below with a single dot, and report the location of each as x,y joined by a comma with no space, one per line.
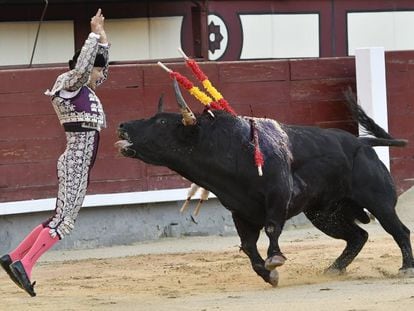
160,138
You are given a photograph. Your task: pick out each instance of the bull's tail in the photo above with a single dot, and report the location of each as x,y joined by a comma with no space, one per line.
381,137
372,141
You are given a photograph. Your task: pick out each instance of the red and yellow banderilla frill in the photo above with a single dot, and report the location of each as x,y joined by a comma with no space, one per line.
202,77
220,103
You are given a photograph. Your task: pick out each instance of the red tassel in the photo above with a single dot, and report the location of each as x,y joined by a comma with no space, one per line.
181,79
216,106
196,70
226,106
258,155
201,76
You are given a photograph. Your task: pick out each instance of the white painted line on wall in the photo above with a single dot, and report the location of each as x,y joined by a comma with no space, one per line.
111,199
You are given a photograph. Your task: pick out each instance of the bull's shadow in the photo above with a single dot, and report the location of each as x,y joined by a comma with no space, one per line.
328,174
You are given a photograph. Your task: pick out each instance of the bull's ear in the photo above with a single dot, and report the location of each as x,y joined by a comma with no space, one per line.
161,103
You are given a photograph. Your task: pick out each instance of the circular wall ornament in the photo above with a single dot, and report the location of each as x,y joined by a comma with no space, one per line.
217,37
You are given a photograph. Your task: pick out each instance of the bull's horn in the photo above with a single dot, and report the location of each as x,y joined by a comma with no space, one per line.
161,103
188,115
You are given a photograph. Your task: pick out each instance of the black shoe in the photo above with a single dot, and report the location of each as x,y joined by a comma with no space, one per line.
20,274
5,262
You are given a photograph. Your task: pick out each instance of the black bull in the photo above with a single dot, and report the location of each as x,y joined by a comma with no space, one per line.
328,174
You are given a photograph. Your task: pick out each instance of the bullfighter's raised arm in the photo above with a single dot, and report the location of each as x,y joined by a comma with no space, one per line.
95,49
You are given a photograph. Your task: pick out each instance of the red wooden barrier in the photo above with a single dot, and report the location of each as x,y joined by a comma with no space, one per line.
291,91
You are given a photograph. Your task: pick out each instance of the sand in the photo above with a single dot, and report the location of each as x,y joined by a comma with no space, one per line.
210,273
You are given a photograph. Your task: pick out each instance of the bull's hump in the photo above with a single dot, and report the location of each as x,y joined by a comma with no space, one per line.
273,136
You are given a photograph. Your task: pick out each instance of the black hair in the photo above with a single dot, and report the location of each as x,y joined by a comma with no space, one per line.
100,60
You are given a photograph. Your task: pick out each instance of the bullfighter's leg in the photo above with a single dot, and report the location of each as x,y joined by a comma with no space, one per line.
339,226
249,234
276,213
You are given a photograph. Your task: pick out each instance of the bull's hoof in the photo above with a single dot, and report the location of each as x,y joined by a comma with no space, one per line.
334,271
274,278
406,273
275,261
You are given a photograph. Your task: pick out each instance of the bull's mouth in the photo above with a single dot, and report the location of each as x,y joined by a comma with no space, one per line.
124,144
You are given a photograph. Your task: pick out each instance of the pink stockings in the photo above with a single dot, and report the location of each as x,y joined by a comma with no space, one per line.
26,244
32,247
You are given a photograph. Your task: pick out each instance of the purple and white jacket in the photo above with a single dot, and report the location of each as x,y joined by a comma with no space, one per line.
72,99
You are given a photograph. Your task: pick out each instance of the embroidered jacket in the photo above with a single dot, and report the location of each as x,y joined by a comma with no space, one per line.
72,100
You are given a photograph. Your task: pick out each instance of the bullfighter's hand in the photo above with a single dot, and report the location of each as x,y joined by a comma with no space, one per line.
97,23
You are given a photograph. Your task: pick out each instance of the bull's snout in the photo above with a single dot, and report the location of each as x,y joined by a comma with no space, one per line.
126,127
121,128
122,132
125,142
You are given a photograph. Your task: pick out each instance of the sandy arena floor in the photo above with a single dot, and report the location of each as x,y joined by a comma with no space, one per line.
209,273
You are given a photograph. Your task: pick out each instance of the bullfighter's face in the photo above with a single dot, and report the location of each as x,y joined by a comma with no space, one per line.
96,75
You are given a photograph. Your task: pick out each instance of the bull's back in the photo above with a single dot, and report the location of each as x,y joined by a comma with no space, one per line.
322,165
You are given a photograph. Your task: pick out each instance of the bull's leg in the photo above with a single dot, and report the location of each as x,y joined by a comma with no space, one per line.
249,234
383,208
338,226
380,200
401,234
276,213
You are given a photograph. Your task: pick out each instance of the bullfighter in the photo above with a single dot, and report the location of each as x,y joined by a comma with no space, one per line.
81,114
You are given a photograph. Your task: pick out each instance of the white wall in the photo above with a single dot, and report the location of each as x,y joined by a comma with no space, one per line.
280,35
55,43
144,38
131,39
392,30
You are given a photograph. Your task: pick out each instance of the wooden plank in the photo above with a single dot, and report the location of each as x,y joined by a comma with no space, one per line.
348,126
167,182
299,113
153,170
258,71
25,104
28,193
155,75
252,93
403,125
28,174
322,68
124,76
398,61
323,89
28,80
121,100
328,110
399,83
402,169
117,186
112,169
30,150
401,109
23,127
403,152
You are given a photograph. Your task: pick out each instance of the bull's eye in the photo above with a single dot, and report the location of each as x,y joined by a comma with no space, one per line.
162,121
